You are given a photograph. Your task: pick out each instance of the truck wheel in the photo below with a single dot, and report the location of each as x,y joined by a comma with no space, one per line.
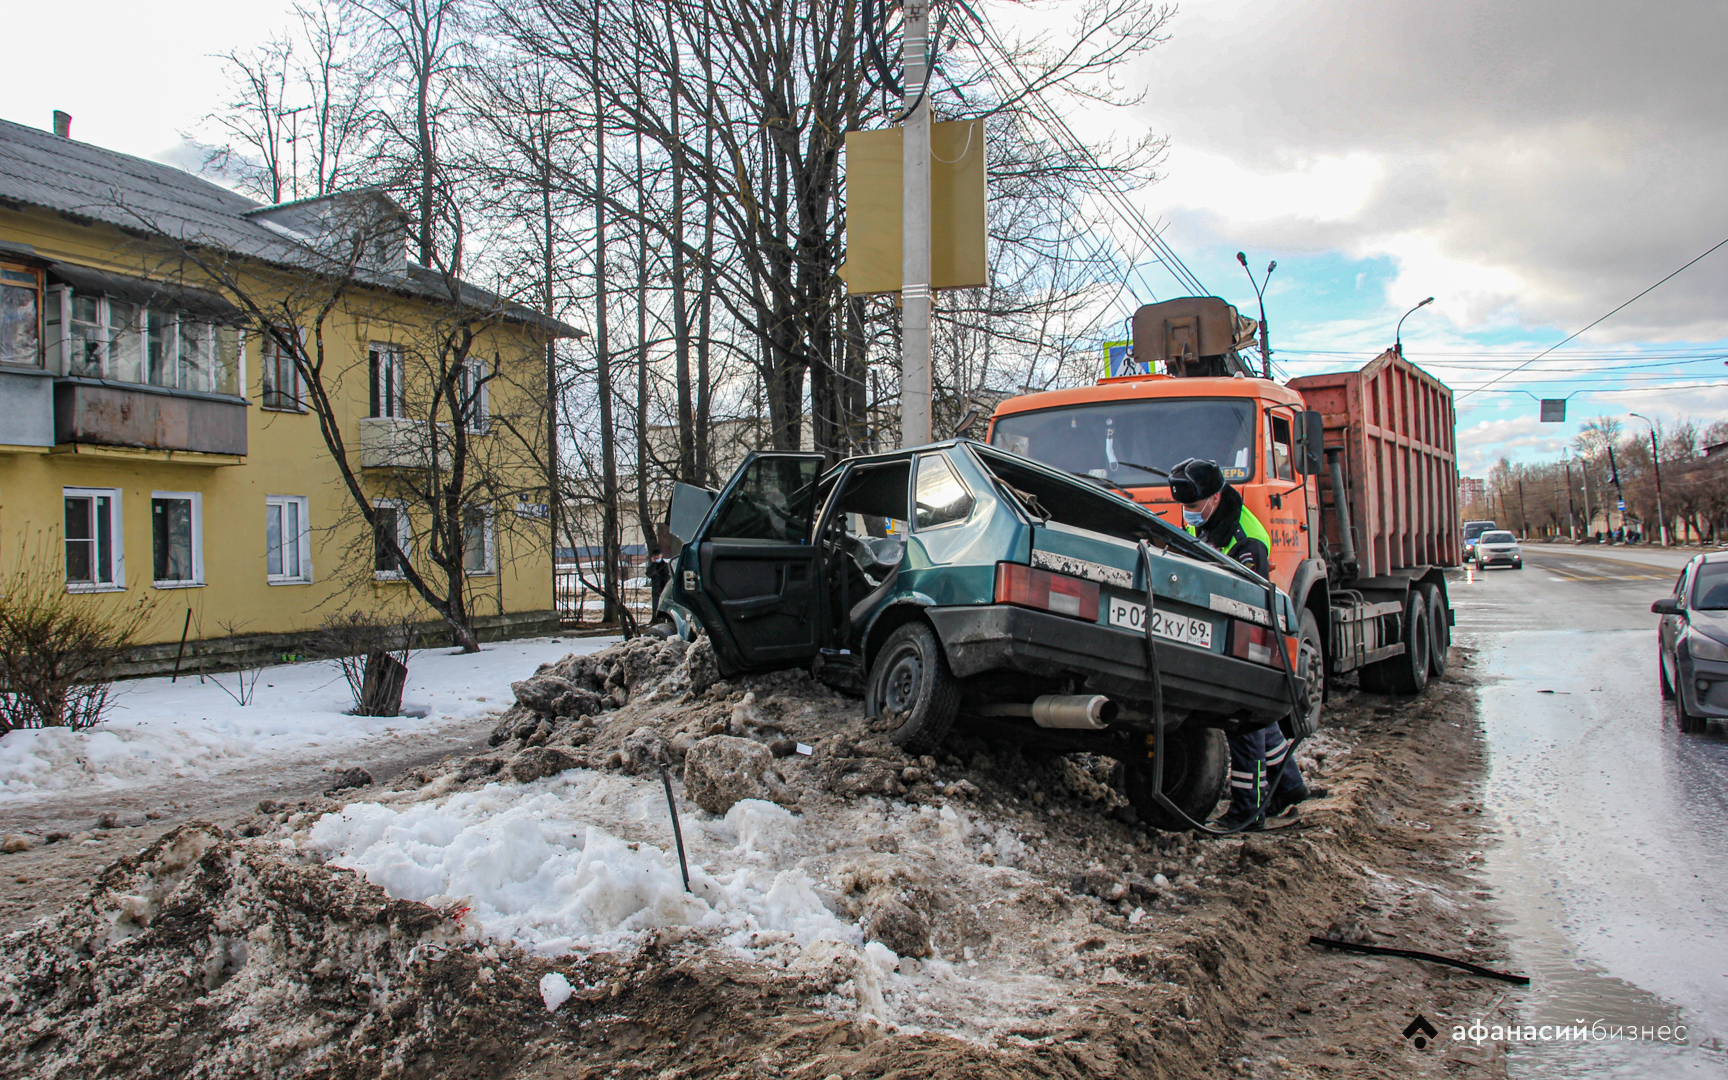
912,688
1406,674
1439,630
1196,776
1311,666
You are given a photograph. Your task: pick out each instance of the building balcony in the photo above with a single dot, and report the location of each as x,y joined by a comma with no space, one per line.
92,413
26,409
388,442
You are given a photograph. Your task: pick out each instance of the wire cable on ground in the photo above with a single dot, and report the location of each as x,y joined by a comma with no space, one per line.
1415,954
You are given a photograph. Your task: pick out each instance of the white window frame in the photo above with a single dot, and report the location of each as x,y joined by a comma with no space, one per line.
302,543
474,377
115,537
267,343
57,350
404,539
397,405
488,543
196,581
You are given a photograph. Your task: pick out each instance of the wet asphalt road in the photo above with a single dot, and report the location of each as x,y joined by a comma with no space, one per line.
1612,864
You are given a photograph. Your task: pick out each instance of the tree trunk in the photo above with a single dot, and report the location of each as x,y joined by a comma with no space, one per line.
603,355
644,517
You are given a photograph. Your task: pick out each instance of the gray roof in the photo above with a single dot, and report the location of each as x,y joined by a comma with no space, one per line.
38,168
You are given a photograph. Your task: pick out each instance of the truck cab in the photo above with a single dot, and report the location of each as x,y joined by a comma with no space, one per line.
1255,429
1353,474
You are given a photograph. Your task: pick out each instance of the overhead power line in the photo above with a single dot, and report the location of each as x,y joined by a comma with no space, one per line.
1616,311
1112,190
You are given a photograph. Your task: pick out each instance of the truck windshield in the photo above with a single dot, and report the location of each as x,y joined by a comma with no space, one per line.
1101,439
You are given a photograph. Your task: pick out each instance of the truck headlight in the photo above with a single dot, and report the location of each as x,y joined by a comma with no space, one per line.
1706,648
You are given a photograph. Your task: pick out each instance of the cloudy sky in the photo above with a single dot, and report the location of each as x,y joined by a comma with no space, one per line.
1531,165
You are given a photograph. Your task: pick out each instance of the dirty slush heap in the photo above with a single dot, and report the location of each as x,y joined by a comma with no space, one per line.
983,911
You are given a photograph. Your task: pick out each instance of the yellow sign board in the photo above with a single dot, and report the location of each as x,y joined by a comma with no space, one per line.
873,208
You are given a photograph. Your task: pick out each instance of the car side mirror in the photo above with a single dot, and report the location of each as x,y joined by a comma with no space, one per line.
1312,458
1668,605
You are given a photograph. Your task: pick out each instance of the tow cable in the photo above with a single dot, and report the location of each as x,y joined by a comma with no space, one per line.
1299,720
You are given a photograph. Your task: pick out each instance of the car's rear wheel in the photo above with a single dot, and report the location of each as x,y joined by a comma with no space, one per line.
1439,630
912,689
1196,776
1408,672
1662,674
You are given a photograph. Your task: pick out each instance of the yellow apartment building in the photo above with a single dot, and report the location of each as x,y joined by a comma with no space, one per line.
163,441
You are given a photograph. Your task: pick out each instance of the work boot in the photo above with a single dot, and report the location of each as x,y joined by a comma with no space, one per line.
1231,821
1283,802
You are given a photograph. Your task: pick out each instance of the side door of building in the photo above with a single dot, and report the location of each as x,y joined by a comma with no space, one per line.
759,590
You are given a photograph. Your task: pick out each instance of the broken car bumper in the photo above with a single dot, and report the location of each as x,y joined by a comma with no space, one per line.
996,637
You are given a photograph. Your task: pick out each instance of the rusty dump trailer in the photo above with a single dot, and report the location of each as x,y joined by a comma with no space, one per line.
1353,474
1388,514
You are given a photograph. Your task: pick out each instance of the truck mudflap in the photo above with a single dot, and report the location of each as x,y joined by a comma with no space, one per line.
991,637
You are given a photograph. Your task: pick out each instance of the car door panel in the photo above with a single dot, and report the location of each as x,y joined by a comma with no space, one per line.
757,592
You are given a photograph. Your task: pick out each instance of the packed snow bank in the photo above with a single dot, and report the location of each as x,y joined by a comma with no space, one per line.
160,730
536,866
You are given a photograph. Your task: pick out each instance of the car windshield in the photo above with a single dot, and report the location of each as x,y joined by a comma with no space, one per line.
1499,538
1475,529
1710,587
1101,440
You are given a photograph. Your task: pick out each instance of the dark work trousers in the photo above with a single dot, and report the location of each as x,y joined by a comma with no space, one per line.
1260,765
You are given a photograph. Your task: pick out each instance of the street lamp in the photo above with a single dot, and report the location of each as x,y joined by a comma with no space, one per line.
1656,464
1265,351
1398,334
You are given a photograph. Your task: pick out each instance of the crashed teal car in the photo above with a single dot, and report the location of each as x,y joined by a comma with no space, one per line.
959,582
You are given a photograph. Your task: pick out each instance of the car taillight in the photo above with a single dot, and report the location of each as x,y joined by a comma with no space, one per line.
1017,583
1250,641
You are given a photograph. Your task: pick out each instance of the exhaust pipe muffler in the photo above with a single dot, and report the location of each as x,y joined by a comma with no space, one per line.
1083,712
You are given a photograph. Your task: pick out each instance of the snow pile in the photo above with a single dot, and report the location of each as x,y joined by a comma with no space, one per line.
160,730
533,865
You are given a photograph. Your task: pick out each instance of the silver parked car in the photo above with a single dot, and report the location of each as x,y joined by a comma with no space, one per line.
1499,548
1692,643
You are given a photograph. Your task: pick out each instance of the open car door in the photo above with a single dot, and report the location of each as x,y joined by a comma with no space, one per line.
759,593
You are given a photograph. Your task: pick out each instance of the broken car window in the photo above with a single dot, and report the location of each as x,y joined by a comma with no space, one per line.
941,497
772,502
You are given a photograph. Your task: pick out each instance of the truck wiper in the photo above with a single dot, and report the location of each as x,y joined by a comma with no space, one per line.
1107,483
1144,468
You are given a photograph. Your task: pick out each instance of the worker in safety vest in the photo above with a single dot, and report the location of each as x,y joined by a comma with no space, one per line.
1264,781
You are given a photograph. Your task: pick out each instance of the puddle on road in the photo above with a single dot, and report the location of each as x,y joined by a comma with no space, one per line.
1581,793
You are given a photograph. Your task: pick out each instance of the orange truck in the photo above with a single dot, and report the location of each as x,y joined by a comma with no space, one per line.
1353,474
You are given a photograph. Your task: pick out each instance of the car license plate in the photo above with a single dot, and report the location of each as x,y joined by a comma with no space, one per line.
1181,628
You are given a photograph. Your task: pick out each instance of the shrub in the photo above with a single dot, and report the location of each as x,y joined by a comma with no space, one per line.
352,638
58,648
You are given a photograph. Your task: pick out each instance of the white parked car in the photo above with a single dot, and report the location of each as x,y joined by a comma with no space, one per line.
1497,548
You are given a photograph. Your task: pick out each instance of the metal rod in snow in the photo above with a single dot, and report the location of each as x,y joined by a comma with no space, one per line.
677,832
915,295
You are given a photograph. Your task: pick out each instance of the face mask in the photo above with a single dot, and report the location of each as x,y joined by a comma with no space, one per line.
1193,517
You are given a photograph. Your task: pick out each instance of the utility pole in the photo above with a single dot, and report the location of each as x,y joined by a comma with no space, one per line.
915,298
1656,464
1571,506
1523,515
1619,492
1584,475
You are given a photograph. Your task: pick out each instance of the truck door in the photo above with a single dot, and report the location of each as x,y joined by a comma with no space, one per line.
1285,488
759,593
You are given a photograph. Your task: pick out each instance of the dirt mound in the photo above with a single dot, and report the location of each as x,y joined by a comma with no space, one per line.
1009,918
